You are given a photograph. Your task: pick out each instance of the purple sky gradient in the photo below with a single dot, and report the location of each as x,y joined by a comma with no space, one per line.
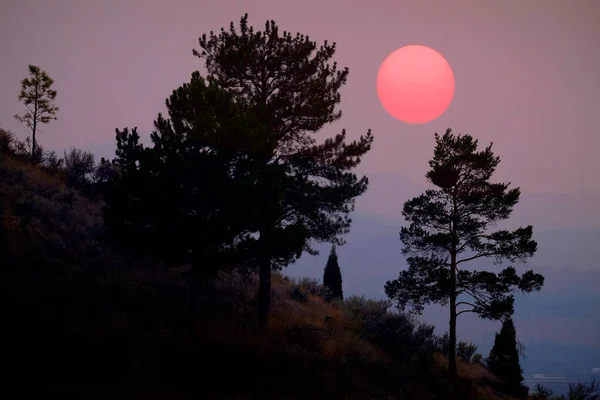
527,78
526,74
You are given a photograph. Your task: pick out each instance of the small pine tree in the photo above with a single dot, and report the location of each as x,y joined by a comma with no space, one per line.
332,276
38,97
503,360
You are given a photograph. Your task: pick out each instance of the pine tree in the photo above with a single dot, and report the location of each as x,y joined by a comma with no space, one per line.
332,276
179,199
38,96
503,360
453,219
308,188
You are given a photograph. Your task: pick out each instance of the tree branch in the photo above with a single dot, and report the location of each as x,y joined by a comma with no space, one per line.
475,257
464,311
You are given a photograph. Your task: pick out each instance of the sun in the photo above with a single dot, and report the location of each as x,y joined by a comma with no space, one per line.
415,84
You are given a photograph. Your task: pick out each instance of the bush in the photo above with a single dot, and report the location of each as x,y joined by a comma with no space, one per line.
577,391
51,162
7,141
360,308
79,165
477,358
305,286
541,392
22,149
582,391
396,333
298,295
103,172
400,336
466,351
442,343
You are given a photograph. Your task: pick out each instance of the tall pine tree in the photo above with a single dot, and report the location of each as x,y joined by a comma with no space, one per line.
332,276
503,360
292,89
454,220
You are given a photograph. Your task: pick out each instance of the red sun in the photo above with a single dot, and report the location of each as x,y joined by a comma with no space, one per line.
415,84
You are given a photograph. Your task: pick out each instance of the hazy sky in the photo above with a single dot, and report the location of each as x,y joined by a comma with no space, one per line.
526,78
526,73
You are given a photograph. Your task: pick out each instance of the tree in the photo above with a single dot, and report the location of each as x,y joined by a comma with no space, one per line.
289,86
332,276
179,199
103,172
7,141
503,360
51,162
79,165
38,96
453,219
466,351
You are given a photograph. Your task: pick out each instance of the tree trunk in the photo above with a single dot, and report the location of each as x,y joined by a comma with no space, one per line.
264,284
452,344
33,129
452,333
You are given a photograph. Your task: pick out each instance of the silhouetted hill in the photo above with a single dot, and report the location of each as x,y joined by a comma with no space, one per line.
85,320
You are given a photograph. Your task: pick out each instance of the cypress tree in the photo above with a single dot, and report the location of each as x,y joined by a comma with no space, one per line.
503,360
332,276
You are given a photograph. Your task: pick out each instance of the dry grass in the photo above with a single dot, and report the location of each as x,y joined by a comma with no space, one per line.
311,329
480,381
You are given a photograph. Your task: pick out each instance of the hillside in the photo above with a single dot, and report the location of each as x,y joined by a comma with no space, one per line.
85,320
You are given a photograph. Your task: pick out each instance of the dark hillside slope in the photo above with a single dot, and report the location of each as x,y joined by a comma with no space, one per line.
82,319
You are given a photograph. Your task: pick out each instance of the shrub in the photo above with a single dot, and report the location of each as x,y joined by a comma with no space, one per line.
582,391
577,391
7,141
103,172
22,149
466,351
302,288
396,333
79,165
298,295
477,358
541,392
67,197
51,162
442,343
360,308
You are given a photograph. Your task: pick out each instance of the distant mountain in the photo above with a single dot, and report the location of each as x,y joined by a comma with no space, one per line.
546,212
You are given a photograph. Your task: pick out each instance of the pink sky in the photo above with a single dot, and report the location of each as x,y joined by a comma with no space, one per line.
526,73
526,78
